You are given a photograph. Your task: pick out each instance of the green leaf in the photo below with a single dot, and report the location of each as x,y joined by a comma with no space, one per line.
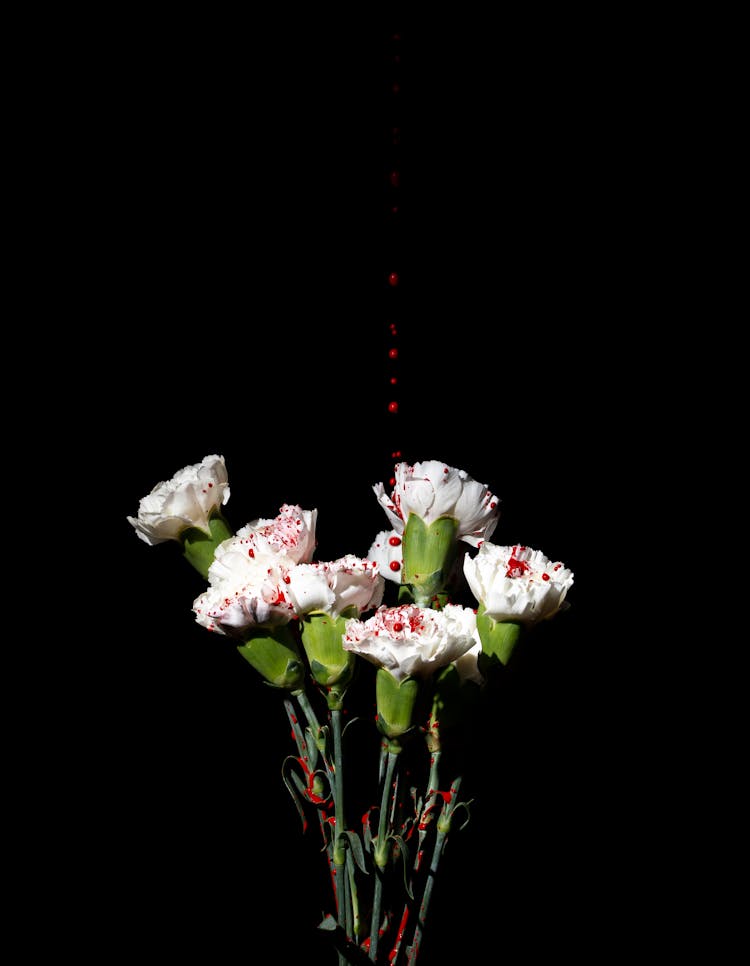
356,847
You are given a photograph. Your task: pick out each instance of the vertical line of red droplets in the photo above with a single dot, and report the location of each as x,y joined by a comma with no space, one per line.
393,226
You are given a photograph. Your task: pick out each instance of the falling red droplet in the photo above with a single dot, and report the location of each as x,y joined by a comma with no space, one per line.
393,278
393,407
394,565
395,454
394,209
395,178
393,353
394,380
394,541
392,481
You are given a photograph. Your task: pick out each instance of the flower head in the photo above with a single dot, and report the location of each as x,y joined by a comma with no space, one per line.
238,607
291,533
335,586
517,583
411,641
431,490
187,500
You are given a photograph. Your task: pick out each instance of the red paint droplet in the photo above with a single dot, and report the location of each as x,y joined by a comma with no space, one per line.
394,541
251,552
398,626
545,576
394,565
287,579
393,353
493,505
394,380
557,566
395,178
395,454
393,278
392,481
393,407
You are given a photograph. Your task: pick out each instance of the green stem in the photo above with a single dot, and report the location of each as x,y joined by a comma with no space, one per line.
381,848
339,850
443,827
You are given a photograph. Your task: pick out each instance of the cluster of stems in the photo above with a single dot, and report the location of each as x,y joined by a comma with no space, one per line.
383,873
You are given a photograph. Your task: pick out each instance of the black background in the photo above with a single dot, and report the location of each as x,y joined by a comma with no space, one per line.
234,224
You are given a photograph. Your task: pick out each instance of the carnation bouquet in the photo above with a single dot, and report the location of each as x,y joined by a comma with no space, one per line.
383,665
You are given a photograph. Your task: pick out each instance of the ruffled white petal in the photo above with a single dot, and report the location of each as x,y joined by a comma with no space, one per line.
388,553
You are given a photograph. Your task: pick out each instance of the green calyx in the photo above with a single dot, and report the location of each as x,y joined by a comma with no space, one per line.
274,653
331,666
199,547
429,553
498,638
395,702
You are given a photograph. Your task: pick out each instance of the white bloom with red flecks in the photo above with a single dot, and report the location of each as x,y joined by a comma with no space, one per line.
388,552
235,608
291,533
285,541
410,640
334,585
517,583
432,490
187,500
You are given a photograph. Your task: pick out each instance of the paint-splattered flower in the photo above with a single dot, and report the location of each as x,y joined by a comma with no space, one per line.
189,499
290,535
387,552
517,583
254,599
335,586
431,490
411,641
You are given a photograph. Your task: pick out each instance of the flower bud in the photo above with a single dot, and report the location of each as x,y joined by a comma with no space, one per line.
273,652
